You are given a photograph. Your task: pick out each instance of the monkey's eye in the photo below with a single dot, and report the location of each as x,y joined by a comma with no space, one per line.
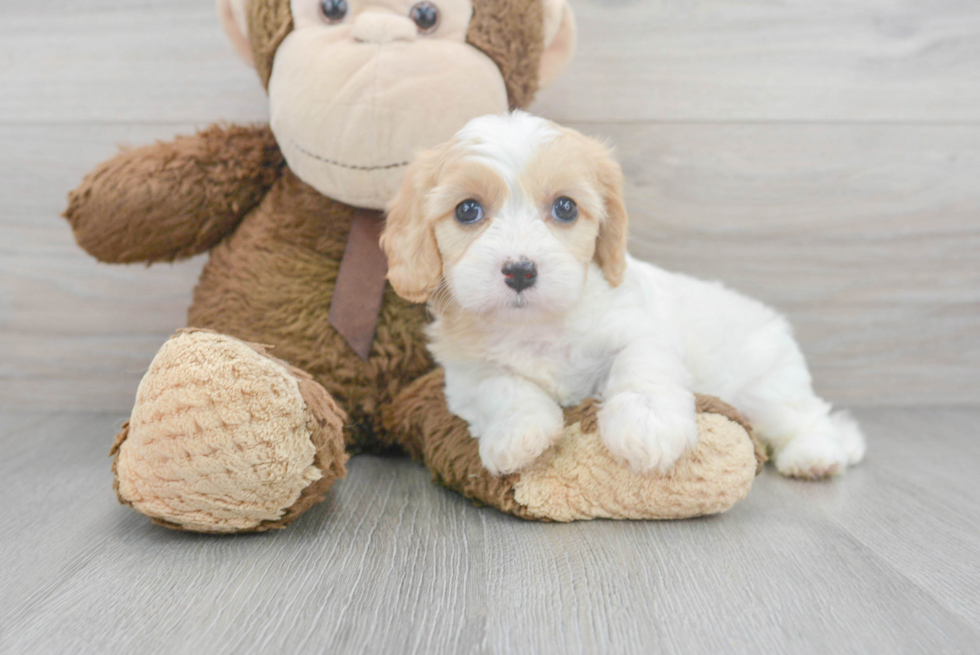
333,10
426,17
565,210
469,211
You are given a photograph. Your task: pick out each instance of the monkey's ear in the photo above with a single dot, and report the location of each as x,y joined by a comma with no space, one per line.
414,262
559,40
234,18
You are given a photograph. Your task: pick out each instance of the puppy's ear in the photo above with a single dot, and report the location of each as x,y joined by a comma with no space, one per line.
414,263
610,252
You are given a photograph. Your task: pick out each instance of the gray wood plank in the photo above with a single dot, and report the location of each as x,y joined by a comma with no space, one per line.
56,482
394,564
12,421
118,60
866,235
714,60
772,60
915,503
74,333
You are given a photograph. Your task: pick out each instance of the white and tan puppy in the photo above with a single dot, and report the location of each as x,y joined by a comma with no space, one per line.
515,233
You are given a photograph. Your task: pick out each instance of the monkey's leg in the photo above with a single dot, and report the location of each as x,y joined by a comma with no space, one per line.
225,438
577,479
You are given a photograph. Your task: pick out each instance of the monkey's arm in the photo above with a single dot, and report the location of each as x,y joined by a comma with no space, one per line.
173,200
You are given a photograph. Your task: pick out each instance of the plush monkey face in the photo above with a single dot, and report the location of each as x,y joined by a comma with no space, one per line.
351,101
357,87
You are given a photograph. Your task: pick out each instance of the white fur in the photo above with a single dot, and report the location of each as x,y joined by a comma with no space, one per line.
644,348
506,143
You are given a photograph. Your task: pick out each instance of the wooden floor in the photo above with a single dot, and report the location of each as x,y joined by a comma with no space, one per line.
823,156
885,560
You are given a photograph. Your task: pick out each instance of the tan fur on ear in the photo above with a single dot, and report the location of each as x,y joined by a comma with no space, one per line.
414,263
610,251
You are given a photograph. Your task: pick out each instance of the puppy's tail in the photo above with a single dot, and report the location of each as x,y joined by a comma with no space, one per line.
849,435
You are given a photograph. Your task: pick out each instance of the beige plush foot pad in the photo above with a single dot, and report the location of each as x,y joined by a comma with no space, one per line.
224,438
577,479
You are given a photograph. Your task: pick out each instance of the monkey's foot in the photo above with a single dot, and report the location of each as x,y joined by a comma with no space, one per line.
224,438
577,478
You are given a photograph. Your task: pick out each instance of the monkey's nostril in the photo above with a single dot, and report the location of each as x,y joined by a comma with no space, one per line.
520,275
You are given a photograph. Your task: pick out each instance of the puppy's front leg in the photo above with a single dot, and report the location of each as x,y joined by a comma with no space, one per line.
648,413
514,419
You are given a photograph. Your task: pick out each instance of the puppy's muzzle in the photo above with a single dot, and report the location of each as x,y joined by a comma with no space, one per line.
520,275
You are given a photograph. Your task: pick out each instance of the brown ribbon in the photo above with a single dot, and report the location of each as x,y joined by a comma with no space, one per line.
356,304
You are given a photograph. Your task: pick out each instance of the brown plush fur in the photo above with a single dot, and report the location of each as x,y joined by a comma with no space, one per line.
431,435
173,200
271,282
269,22
510,32
327,421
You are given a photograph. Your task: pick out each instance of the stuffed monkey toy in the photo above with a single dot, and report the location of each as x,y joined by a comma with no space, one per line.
300,354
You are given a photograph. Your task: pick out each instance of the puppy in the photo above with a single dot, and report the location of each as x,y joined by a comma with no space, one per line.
515,233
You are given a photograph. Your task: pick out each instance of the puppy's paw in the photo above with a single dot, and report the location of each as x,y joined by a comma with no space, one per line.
513,442
812,457
648,432
849,436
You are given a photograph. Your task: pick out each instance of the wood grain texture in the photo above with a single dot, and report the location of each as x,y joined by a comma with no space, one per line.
110,61
881,561
915,503
773,60
74,333
641,60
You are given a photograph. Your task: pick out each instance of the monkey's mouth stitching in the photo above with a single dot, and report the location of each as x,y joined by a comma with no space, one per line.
342,165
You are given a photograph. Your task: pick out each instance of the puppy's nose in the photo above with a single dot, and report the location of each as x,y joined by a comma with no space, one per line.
520,275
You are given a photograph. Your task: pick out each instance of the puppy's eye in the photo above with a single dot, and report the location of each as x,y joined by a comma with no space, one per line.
565,210
333,10
426,17
469,211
